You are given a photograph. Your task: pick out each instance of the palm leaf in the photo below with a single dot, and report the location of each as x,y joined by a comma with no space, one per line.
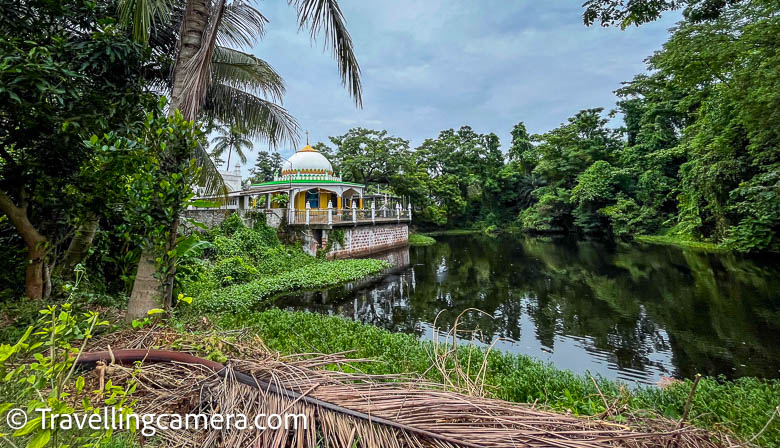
357,410
262,119
326,16
141,16
210,179
246,72
242,25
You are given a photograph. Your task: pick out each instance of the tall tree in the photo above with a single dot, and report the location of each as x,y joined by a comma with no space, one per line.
64,77
267,166
206,77
232,138
368,156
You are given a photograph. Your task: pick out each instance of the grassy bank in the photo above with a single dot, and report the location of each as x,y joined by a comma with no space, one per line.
243,267
417,239
667,240
742,406
452,232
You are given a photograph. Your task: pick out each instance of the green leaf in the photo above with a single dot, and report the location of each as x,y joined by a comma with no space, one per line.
29,427
40,439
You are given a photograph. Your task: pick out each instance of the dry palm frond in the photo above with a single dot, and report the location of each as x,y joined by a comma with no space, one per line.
196,72
356,410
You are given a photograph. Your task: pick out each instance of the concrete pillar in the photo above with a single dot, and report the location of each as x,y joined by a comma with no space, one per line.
330,212
268,201
410,211
373,213
308,211
398,212
354,214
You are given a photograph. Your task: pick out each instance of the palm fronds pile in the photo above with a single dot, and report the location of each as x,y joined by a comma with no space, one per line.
358,410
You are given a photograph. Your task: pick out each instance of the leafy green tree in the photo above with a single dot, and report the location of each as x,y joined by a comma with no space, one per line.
565,154
368,156
522,151
267,166
729,66
156,192
67,73
637,12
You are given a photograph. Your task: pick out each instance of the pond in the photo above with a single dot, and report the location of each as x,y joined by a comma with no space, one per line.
632,312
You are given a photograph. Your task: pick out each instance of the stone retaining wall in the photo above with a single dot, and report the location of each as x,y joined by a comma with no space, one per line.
363,240
212,218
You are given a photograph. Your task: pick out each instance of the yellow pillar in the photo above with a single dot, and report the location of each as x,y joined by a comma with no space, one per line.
338,202
324,198
360,203
300,201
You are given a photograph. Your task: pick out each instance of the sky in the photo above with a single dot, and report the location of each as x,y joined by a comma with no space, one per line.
430,65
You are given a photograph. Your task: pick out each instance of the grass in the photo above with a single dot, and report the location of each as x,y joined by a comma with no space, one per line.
452,232
743,406
669,240
417,239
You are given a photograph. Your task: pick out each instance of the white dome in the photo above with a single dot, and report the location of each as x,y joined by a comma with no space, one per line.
307,159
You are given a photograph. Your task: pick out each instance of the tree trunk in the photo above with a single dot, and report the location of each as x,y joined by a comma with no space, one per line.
46,272
80,244
36,244
195,22
33,276
147,289
148,292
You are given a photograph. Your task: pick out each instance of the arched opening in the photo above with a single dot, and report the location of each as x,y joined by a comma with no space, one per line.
313,198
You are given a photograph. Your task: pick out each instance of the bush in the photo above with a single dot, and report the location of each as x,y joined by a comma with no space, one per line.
233,270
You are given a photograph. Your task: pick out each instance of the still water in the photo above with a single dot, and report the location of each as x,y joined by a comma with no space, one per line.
630,312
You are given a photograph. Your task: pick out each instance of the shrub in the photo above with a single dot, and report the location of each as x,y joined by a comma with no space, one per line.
233,270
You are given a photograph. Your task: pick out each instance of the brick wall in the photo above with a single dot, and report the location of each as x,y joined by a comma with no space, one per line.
362,240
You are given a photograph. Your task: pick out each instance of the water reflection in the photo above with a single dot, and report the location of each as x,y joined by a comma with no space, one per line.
634,312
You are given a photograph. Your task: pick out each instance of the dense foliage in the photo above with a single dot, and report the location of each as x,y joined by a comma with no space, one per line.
696,158
244,267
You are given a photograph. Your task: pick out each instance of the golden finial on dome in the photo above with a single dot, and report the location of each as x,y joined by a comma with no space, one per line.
307,148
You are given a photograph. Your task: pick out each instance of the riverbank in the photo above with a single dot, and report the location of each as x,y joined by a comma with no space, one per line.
666,240
418,239
741,407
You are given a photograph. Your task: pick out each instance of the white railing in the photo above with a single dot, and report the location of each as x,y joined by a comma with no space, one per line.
349,215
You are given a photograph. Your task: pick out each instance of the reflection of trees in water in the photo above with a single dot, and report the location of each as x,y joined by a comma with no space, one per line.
626,302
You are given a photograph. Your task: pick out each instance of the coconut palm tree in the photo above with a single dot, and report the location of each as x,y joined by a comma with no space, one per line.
210,79
231,138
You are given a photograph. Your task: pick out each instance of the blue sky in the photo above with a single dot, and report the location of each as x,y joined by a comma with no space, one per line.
429,65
